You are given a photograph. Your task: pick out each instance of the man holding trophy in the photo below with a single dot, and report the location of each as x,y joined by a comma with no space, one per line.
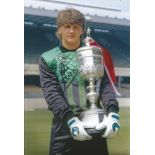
79,91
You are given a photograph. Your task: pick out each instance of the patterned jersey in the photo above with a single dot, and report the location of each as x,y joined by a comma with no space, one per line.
66,68
65,92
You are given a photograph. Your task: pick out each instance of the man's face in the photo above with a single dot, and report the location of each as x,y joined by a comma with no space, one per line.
70,34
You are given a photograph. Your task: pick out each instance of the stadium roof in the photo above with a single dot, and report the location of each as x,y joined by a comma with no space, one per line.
112,9
48,18
111,14
41,17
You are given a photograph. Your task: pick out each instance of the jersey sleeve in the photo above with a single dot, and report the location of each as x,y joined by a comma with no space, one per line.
53,93
108,96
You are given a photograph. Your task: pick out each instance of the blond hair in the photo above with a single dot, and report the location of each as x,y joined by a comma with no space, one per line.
71,16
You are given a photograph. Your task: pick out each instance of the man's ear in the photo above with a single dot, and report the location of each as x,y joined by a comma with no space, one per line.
82,32
59,31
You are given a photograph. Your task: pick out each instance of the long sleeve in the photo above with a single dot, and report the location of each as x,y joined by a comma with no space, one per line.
108,96
53,93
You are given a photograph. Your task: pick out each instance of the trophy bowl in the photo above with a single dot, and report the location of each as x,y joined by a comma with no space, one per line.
90,61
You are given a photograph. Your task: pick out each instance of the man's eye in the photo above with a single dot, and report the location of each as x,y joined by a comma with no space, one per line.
67,26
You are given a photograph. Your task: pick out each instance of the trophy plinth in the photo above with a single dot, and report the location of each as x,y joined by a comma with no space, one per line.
91,69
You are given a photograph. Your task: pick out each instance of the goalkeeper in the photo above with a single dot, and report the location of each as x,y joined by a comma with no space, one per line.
65,92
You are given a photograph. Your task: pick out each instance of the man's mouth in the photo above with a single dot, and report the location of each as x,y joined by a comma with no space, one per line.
71,37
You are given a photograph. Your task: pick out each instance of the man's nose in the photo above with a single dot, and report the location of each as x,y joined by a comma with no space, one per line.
71,30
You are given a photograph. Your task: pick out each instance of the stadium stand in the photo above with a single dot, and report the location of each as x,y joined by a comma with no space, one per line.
38,40
119,50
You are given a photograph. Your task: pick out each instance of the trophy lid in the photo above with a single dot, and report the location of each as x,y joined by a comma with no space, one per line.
88,47
88,38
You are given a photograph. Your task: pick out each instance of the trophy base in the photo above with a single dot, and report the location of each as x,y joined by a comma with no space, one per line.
95,133
91,118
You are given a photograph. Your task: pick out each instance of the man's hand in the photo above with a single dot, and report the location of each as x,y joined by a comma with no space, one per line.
77,130
111,124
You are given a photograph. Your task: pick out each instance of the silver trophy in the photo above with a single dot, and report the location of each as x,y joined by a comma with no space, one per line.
91,69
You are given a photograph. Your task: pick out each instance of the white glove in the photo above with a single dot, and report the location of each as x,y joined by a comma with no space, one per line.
77,130
111,124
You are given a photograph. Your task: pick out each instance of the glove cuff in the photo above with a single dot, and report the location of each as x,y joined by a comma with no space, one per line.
71,121
112,108
68,117
113,115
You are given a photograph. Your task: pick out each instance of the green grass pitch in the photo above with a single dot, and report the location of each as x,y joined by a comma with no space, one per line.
37,126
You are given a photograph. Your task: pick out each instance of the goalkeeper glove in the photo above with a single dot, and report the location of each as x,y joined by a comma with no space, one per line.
77,129
111,124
